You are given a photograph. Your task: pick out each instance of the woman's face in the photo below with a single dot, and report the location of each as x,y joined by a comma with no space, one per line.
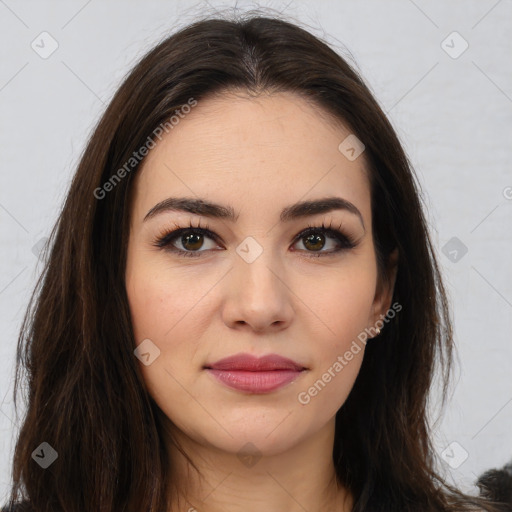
252,286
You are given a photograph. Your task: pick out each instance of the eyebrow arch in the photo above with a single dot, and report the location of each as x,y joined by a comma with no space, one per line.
213,210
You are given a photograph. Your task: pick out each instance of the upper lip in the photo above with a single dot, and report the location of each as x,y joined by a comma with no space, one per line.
249,362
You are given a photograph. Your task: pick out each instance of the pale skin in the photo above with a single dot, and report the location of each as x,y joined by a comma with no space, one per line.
257,155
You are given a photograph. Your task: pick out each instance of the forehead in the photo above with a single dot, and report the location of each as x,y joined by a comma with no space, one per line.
252,153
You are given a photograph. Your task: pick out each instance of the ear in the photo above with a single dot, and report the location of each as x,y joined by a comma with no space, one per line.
385,288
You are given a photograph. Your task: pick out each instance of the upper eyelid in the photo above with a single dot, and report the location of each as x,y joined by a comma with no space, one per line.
334,229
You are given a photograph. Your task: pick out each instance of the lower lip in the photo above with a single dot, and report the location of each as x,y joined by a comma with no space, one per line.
255,382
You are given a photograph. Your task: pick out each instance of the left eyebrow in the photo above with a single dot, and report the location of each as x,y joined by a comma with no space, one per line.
289,213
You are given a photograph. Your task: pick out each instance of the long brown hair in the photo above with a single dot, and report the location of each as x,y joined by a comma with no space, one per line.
86,395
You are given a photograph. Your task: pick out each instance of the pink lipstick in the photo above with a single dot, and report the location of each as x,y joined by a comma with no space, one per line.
245,372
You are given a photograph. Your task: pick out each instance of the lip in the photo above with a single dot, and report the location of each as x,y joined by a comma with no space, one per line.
245,372
252,363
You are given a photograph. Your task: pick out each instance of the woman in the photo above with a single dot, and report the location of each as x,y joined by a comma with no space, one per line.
241,307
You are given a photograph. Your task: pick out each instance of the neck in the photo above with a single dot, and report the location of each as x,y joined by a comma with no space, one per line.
302,478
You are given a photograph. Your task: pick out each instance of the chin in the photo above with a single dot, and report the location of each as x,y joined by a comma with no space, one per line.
264,439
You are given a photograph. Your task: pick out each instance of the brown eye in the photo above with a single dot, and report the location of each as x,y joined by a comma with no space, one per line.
314,242
192,241
316,239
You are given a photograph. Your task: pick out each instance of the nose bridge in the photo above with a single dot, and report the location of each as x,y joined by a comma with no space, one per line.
257,293
258,267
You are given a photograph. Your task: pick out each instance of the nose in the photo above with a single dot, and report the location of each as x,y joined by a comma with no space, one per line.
258,296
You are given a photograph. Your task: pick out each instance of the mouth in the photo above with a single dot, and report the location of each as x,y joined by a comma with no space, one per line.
250,374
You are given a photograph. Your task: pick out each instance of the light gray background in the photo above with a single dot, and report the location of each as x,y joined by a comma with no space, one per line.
453,115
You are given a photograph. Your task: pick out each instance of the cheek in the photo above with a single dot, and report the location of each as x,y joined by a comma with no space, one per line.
328,387
161,300
161,312
343,303
168,306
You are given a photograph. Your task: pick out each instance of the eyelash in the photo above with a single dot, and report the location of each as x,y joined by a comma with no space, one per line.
164,239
